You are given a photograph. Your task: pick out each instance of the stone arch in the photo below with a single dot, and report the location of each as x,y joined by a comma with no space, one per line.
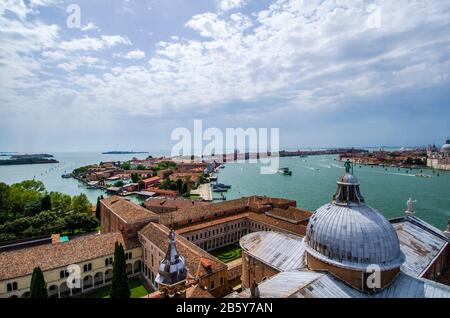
88,282
52,291
108,275
14,296
137,267
64,290
25,295
98,278
129,268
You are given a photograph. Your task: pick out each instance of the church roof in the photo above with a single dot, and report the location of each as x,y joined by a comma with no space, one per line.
311,284
420,242
349,234
281,251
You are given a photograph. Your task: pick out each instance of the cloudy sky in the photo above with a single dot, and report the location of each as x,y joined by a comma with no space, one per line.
327,73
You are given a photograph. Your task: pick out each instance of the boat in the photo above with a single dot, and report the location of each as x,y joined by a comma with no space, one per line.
219,190
213,178
221,185
66,176
422,175
286,171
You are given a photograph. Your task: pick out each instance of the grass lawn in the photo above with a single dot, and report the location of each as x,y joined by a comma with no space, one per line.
228,254
138,290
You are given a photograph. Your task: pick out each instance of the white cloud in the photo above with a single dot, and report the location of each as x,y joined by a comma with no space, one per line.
94,44
133,55
308,54
210,25
89,26
226,5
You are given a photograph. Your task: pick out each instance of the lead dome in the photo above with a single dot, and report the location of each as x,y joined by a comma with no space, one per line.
347,233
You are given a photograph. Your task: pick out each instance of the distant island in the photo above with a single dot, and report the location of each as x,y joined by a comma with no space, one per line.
123,152
28,159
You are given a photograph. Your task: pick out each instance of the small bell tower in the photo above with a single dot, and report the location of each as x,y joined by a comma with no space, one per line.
172,272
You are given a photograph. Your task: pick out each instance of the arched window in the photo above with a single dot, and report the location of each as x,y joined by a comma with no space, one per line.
11,287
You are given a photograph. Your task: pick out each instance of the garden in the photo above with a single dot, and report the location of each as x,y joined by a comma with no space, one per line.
228,254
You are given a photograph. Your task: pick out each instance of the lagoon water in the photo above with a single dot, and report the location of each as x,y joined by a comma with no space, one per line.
387,191
384,190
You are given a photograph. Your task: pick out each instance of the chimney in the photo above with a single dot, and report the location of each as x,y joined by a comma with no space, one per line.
56,238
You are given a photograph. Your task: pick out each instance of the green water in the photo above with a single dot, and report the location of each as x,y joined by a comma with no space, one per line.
50,174
386,191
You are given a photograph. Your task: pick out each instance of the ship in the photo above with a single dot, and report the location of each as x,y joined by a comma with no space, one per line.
286,171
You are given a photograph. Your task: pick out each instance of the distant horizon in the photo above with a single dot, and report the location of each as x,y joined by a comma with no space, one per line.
128,73
149,152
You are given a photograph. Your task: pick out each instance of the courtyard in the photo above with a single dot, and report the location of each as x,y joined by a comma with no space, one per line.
228,253
137,288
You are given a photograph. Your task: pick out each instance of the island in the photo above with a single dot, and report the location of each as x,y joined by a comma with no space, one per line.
28,159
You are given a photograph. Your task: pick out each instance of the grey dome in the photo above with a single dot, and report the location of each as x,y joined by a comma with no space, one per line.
347,233
349,179
446,148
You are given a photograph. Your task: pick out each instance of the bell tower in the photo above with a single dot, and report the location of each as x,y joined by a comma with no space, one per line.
172,272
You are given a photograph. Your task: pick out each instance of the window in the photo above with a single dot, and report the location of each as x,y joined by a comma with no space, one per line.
11,287
108,261
212,284
128,255
63,274
87,267
221,281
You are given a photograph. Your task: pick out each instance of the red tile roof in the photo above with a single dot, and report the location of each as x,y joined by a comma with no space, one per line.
21,262
128,211
198,262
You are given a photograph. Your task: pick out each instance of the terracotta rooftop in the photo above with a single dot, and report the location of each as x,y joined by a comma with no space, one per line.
128,211
195,257
294,215
197,292
208,224
21,262
199,213
174,203
281,225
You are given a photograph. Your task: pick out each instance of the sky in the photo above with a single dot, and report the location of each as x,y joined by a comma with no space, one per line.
326,73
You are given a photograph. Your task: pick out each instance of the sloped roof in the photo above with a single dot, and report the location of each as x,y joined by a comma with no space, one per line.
420,242
311,284
279,250
194,256
21,262
128,211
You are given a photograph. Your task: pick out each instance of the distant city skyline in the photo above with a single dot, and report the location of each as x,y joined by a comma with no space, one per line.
357,74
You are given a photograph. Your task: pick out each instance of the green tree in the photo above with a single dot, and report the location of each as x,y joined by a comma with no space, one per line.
180,186
97,208
38,287
119,184
185,189
135,178
126,166
46,203
81,204
119,284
